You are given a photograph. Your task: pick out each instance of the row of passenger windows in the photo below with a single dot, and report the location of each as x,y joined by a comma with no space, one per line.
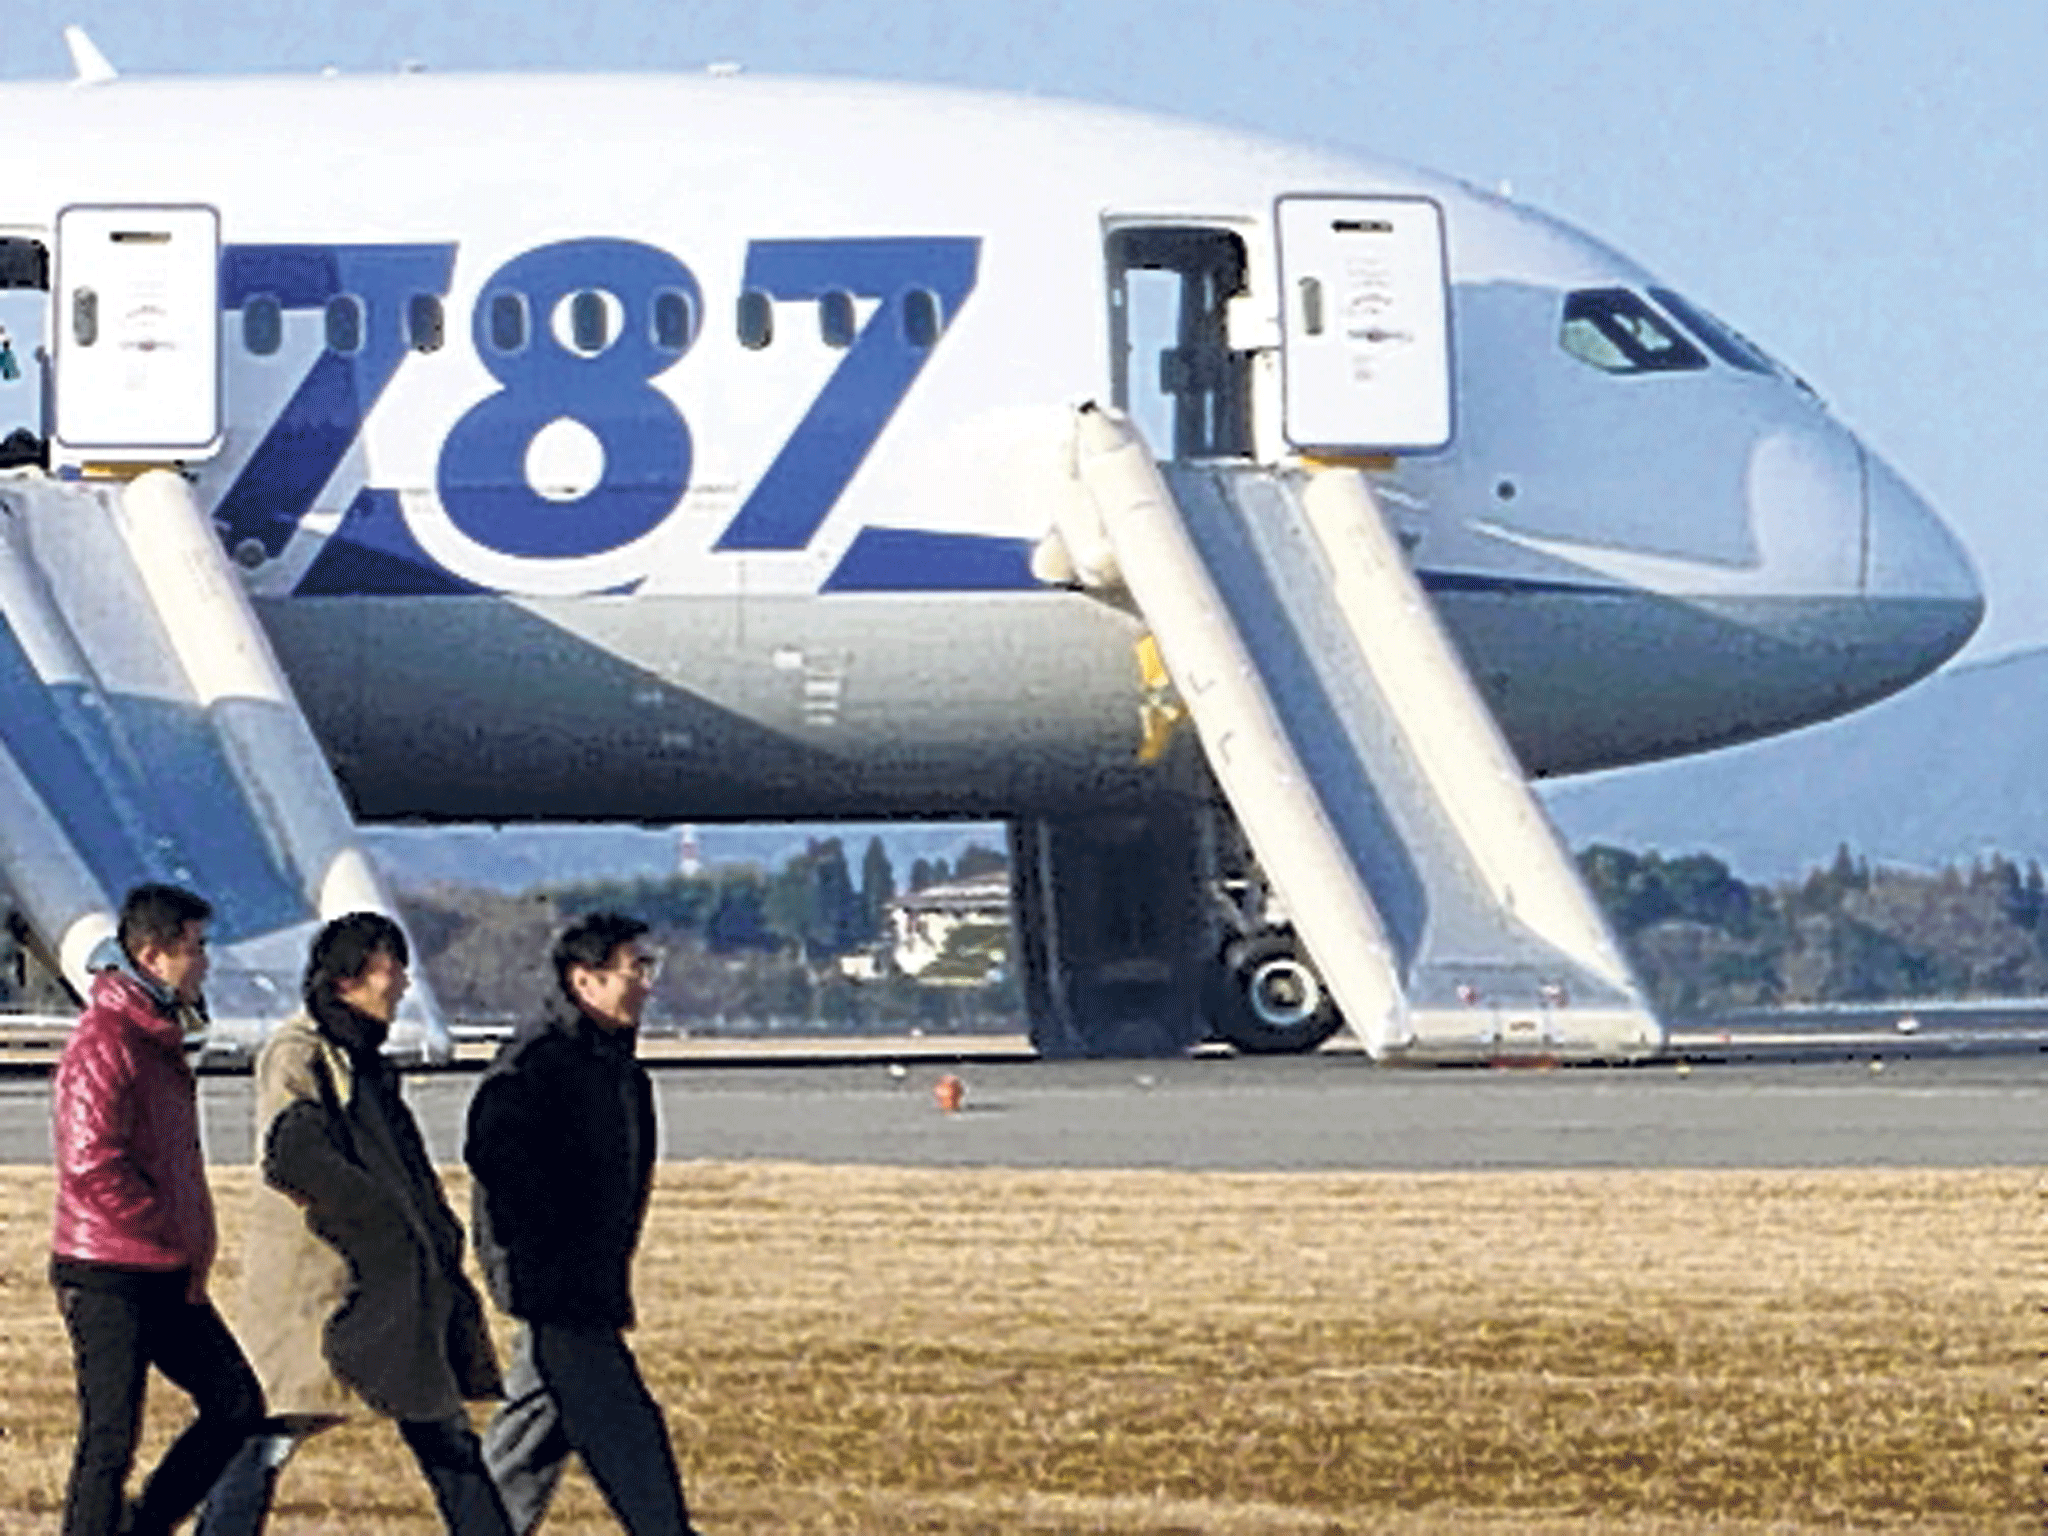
347,323
1617,331
587,322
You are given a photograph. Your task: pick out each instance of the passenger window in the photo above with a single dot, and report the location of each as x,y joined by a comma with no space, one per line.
262,324
85,316
345,324
589,332
1723,340
1615,331
835,318
1311,306
757,319
508,321
425,325
675,321
922,318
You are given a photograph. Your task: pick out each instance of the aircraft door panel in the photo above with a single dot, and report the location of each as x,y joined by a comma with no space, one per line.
1365,324
138,332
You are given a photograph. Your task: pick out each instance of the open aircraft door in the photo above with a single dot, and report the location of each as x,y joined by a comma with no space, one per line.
1365,329
137,357
24,345
1419,885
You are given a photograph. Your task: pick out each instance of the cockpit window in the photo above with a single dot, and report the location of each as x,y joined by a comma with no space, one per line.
1615,331
1724,341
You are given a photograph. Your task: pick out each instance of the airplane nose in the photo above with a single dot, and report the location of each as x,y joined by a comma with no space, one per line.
1915,568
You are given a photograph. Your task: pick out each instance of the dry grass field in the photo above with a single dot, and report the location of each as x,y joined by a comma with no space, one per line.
948,1352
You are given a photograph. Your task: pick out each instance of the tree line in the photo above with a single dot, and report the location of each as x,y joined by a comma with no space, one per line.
749,947
745,943
1704,941
744,947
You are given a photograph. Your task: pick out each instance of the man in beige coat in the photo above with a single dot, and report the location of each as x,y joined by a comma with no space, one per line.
353,1291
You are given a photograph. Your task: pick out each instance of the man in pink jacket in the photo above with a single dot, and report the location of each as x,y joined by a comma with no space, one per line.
134,1233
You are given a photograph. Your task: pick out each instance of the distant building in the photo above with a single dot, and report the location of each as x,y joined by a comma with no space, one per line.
861,965
970,918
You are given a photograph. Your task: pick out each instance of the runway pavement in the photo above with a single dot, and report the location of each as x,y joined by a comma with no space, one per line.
1323,1112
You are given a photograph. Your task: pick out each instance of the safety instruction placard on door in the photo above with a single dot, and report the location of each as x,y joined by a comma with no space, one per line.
1366,324
137,330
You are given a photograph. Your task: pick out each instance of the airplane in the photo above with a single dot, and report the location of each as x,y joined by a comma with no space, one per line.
1243,523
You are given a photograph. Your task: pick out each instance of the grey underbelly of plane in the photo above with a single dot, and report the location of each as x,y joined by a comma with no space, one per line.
985,704
1582,680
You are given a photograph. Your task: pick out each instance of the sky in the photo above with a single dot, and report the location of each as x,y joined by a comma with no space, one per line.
1858,187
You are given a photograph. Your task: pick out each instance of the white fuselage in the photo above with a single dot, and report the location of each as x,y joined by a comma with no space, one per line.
716,495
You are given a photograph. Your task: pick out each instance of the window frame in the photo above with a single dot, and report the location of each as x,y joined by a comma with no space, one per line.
345,304
1720,338
272,307
432,335
1603,310
755,304
512,302
665,296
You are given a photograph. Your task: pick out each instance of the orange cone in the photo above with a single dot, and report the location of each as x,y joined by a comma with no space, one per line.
950,1092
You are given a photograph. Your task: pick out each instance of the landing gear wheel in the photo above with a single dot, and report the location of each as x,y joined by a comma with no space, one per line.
1267,1000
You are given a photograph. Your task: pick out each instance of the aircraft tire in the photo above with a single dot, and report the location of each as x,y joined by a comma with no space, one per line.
1268,1000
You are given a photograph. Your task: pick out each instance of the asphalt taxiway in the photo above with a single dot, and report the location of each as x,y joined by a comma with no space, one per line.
1335,1112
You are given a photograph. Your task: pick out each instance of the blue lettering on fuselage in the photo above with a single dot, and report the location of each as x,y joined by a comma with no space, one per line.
605,385
793,497
601,375
318,425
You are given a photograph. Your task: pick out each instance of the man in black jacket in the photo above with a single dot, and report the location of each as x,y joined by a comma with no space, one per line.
562,1144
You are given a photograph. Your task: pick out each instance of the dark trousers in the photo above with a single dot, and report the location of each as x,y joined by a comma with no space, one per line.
121,1323
579,1389
446,1450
